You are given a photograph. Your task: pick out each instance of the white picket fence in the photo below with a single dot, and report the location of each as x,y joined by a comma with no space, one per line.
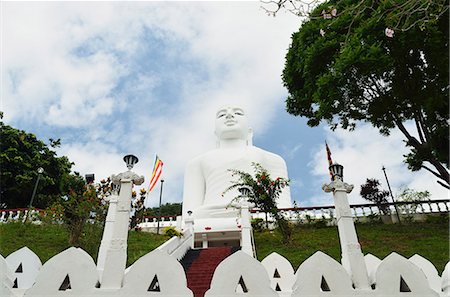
74,273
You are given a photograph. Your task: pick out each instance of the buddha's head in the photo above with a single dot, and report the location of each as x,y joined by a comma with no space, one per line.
231,123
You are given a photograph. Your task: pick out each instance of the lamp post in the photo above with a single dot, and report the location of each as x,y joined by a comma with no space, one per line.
39,171
130,160
352,256
112,255
159,210
392,196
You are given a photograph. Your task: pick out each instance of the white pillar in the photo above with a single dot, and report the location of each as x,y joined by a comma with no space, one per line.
179,228
116,254
352,256
113,249
246,231
204,241
107,234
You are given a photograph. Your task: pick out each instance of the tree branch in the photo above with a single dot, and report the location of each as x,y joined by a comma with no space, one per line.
419,128
432,171
425,129
442,184
411,139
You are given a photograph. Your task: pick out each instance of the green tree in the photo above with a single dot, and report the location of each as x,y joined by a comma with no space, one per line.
168,209
78,205
347,68
137,208
398,13
414,197
371,192
263,192
21,154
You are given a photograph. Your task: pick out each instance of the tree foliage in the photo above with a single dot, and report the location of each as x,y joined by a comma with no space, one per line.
137,208
167,209
371,192
398,13
347,67
263,192
21,154
78,205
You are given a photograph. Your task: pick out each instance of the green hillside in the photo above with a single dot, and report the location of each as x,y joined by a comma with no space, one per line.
429,239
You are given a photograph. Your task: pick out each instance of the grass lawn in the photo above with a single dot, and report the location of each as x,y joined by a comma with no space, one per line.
430,239
49,240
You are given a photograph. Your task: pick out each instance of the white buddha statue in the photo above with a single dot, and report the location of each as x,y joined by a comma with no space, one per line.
207,176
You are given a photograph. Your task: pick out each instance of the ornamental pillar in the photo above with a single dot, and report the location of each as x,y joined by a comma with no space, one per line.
352,256
113,248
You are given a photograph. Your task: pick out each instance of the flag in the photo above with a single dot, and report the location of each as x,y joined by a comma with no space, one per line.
330,162
157,170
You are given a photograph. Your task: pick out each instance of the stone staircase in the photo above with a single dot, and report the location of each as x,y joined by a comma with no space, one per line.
200,265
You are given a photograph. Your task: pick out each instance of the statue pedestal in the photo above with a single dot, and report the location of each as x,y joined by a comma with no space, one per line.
217,232
233,230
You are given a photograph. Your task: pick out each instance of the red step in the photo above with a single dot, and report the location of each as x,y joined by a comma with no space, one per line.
200,273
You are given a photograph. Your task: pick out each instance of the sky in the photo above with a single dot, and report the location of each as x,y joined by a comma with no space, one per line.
146,78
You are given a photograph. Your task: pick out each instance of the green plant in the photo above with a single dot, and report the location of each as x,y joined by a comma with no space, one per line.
79,205
138,209
374,218
257,224
371,192
263,192
171,231
441,218
412,196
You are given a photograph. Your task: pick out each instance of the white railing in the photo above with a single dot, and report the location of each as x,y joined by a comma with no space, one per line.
295,214
362,212
178,246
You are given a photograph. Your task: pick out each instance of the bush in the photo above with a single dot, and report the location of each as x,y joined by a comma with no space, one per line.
441,218
258,224
410,195
171,231
78,207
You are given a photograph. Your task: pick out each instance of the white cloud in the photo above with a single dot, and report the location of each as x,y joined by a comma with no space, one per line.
363,152
94,158
84,66
44,79
148,77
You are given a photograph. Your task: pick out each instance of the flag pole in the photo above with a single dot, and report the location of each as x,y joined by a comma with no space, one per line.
159,210
330,161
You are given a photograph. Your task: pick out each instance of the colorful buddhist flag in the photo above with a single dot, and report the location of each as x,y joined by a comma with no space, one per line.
330,162
157,170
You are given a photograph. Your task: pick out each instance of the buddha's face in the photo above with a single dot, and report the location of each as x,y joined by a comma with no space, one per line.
231,123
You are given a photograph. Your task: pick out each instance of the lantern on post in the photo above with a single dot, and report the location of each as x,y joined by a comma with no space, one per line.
337,171
130,160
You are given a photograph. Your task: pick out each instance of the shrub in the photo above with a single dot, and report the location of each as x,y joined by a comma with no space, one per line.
80,205
258,224
171,231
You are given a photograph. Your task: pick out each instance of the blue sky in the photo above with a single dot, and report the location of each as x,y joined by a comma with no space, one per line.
112,78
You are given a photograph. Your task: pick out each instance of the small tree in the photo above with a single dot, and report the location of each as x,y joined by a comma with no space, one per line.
80,203
138,209
410,195
263,192
371,192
